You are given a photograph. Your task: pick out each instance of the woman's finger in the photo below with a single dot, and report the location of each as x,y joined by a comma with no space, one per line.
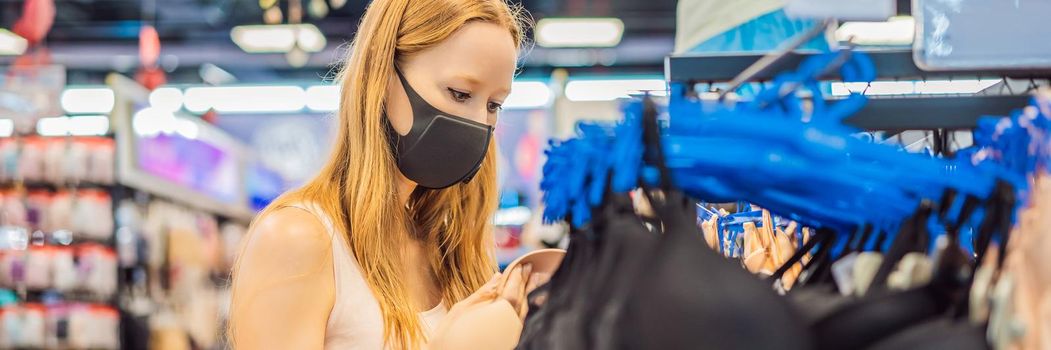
514,288
536,280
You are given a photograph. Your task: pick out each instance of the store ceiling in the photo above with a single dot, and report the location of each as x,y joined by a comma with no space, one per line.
102,34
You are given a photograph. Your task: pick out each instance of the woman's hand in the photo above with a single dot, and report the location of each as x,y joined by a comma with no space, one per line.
520,282
514,287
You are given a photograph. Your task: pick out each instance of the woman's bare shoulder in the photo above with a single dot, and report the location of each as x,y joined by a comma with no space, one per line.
287,239
283,286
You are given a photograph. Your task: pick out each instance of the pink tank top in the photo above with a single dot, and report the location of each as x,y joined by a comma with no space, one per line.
355,321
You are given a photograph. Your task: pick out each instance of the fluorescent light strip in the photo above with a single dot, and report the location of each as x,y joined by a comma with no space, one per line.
528,95
896,31
166,98
317,98
11,44
609,90
876,88
87,100
579,32
954,86
515,216
245,99
7,127
273,38
323,98
150,122
932,87
186,128
83,125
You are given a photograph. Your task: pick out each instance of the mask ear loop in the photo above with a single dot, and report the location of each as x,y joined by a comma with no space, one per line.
393,137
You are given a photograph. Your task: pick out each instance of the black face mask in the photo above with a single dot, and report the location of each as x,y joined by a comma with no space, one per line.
441,149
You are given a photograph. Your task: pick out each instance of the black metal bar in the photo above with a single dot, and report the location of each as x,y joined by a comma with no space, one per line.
905,7
723,67
930,113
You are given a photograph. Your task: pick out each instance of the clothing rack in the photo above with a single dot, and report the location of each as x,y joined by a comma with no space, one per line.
892,113
890,64
929,113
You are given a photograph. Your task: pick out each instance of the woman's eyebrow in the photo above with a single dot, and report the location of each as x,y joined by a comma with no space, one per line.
470,79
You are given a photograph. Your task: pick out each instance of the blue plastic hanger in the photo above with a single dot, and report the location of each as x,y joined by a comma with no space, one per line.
763,151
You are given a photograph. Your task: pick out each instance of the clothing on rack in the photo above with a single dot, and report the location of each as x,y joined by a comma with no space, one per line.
887,264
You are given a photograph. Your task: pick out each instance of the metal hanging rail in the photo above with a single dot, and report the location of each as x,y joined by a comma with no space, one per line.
890,64
909,112
929,113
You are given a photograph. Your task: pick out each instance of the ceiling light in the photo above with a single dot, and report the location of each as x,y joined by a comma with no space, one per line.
896,31
609,90
187,128
87,100
245,99
876,88
11,44
323,98
962,86
7,127
579,32
274,38
516,216
527,95
150,122
83,125
930,87
166,98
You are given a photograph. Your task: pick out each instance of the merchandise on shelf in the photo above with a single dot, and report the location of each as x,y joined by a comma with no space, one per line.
185,257
59,326
14,209
129,234
86,268
8,158
85,214
231,236
58,160
24,326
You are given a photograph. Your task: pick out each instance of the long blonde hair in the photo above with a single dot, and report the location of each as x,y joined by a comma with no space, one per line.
358,186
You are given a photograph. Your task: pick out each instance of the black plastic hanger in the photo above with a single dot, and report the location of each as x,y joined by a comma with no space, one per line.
799,254
689,295
859,245
912,236
882,312
818,270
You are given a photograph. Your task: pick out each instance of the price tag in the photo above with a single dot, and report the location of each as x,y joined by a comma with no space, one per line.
855,10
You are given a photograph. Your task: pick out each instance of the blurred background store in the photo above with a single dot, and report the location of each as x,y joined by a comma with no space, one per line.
139,137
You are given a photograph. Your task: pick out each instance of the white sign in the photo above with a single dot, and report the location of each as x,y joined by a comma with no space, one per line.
854,10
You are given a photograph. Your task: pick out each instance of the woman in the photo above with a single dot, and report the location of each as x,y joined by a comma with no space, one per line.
396,227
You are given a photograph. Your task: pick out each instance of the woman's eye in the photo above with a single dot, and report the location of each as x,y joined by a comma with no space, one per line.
494,107
459,96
